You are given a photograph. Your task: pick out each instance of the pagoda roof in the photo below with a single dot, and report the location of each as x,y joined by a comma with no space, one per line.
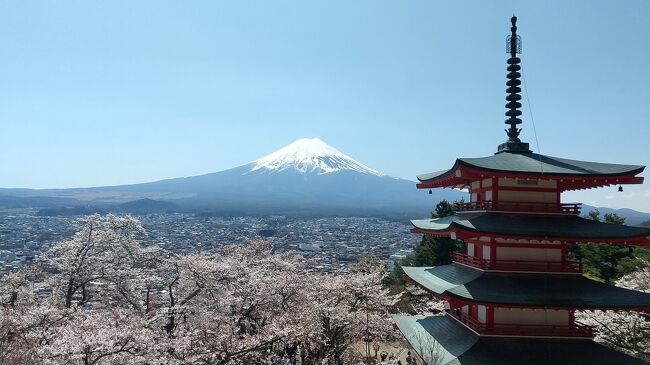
531,226
531,164
442,340
541,290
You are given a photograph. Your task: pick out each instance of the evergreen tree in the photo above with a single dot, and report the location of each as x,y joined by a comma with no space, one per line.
443,209
431,251
607,262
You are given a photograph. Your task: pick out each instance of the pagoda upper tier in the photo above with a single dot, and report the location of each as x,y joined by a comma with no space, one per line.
538,229
559,174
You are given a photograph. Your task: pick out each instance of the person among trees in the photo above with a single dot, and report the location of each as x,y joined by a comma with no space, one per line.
384,355
303,352
291,350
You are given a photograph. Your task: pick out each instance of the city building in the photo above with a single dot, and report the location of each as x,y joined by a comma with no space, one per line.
512,294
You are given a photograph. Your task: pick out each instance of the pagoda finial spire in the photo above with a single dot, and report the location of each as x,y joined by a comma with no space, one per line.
513,46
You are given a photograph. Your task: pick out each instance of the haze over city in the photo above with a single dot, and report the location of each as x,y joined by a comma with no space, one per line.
94,95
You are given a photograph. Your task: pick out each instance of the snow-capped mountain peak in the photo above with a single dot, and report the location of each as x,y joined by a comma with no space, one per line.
310,155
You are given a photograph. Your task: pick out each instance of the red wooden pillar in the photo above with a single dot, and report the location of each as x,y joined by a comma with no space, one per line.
489,322
495,192
473,311
493,253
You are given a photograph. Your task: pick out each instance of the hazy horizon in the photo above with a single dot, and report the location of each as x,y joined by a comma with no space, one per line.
101,94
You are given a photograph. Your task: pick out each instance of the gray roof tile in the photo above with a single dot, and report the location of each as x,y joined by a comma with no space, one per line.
453,344
536,163
551,290
539,225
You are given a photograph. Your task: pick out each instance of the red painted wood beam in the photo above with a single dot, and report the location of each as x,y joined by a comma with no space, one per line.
462,234
457,302
461,302
566,182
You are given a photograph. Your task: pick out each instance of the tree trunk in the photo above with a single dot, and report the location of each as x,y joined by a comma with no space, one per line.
84,295
146,302
69,293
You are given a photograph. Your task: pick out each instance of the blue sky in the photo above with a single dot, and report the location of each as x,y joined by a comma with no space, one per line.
102,93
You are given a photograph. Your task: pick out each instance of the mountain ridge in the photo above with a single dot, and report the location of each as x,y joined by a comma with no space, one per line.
305,177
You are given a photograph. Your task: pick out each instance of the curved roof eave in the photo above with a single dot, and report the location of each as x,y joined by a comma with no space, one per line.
535,164
556,291
438,174
533,226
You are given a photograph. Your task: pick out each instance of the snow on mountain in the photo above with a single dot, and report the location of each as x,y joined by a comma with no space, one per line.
310,155
307,177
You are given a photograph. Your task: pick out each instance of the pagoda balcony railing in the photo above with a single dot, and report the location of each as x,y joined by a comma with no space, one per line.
520,330
564,208
566,266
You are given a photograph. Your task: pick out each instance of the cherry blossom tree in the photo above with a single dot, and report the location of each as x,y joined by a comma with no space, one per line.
89,338
102,298
104,249
422,302
626,331
43,306
353,306
235,304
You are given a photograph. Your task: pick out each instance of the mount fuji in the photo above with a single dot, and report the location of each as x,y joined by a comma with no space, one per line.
310,156
307,177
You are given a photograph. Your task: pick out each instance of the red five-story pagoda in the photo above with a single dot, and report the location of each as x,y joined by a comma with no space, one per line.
512,295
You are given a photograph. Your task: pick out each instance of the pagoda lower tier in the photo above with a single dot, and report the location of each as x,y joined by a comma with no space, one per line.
443,340
465,284
523,305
